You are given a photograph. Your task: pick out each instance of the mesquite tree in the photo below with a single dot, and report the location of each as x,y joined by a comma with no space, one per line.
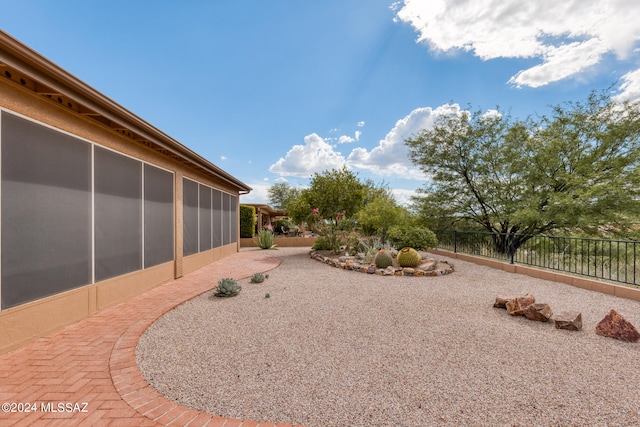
577,169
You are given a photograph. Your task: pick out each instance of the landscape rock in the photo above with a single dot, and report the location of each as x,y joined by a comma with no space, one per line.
569,320
518,305
538,312
615,326
501,301
428,265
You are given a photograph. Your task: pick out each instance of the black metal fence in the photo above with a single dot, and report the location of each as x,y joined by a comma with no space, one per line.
615,260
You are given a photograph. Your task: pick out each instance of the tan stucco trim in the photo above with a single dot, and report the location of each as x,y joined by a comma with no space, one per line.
33,72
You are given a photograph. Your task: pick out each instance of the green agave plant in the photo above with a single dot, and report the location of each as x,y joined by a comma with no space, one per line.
266,239
227,288
258,278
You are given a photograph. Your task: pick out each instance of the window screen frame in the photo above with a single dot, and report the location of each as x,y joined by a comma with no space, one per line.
91,205
57,285
224,233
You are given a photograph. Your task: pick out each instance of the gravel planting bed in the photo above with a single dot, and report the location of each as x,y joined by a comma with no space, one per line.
331,347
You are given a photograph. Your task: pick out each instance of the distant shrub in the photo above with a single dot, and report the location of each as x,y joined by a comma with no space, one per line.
323,243
247,221
402,236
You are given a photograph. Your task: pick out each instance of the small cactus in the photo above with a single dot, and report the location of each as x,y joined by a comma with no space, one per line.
383,259
227,288
258,277
409,257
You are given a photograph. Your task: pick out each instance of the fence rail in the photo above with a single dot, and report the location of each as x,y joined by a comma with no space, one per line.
614,260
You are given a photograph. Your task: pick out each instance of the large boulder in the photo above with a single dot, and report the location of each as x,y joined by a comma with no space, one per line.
518,305
615,326
538,312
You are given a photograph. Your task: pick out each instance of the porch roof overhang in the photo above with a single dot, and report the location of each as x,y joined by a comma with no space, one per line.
31,70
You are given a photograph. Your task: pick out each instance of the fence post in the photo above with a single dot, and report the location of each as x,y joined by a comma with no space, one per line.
455,242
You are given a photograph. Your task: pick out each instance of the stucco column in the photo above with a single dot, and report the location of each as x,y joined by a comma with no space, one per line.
178,225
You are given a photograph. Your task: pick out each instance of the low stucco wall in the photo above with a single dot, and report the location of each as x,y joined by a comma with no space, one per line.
283,242
555,276
21,324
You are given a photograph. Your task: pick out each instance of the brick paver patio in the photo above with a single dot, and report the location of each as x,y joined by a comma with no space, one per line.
93,362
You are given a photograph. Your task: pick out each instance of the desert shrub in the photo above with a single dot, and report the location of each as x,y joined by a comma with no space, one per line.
402,236
247,221
324,243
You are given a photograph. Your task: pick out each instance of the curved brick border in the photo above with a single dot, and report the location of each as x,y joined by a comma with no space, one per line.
370,268
123,368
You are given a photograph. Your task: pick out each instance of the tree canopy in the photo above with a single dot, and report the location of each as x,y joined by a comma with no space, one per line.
281,194
330,192
578,169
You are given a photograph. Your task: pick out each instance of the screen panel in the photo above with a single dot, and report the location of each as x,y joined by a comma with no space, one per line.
226,207
205,218
46,211
189,217
158,216
217,218
118,214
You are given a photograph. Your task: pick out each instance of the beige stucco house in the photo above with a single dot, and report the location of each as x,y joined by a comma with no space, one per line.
96,205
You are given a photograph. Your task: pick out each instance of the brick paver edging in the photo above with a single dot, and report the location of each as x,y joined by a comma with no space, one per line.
94,361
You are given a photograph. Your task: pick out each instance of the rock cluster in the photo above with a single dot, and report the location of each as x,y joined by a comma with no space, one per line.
613,325
428,267
526,306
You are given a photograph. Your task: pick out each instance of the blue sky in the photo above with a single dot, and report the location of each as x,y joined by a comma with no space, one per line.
278,90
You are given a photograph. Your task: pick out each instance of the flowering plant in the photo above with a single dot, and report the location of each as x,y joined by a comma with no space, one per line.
334,233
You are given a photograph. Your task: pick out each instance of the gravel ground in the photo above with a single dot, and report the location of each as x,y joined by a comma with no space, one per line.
340,348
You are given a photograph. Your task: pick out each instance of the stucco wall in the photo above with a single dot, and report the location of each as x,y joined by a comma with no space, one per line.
34,319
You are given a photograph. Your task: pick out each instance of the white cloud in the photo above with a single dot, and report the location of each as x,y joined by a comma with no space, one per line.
391,156
630,87
360,123
258,194
316,155
567,36
223,157
345,139
403,197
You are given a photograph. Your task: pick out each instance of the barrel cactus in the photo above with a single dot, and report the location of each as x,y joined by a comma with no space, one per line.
227,288
409,257
383,259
